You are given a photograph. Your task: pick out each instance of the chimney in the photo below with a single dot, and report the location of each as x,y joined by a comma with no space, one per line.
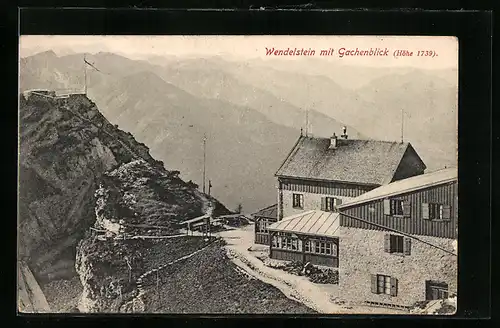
333,142
344,132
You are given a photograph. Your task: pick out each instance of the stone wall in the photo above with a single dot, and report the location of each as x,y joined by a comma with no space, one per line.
311,202
361,253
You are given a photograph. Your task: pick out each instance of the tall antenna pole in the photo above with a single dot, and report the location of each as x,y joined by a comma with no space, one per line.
204,158
85,71
307,120
402,125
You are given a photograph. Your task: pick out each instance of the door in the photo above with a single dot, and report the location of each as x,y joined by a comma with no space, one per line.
436,290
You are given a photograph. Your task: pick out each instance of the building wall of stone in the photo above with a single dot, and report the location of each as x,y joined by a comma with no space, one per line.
361,253
311,202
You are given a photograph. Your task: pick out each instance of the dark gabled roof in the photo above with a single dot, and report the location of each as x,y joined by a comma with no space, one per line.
370,162
270,212
405,186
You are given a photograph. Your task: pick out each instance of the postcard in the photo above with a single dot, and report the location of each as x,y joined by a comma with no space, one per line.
238,174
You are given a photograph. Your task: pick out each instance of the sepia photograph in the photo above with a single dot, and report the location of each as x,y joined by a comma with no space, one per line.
210,174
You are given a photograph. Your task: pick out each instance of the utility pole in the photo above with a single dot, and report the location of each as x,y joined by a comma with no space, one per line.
209,186
402,123
307,120
204,159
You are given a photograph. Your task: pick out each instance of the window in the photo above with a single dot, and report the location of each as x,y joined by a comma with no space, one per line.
276,240
435,211
320,246
328,249
329,204
286,241
397,244
298,201
382,284
397,207
263,223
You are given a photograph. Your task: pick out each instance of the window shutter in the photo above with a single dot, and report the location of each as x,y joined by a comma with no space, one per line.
407,246
394,287
374,288
387,206
387,243
323,203
425,211
406,208
446,213
337,203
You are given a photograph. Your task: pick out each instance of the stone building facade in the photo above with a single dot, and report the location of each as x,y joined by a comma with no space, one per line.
362,257
398,243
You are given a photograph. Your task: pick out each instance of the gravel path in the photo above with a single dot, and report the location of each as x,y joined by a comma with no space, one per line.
294,287
300,288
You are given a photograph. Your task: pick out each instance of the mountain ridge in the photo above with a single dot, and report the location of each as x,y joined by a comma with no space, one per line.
173,123
282,96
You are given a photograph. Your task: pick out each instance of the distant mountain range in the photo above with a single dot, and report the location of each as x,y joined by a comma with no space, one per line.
252,112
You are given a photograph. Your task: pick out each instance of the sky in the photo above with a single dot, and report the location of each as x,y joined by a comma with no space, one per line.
254,47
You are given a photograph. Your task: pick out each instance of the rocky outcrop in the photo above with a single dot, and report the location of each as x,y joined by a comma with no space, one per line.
87,190
136,199
65,146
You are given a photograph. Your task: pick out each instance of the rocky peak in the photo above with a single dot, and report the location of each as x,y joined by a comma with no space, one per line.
66,147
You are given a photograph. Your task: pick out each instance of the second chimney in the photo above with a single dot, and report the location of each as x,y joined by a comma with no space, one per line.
333,142
344,132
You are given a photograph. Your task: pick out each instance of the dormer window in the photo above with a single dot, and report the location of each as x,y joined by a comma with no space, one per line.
329,204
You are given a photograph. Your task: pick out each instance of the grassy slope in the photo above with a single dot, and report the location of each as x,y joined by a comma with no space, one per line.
210,283
109,264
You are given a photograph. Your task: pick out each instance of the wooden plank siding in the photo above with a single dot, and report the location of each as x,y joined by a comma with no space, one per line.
286,255
262,238
325,187
446,194
324,260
